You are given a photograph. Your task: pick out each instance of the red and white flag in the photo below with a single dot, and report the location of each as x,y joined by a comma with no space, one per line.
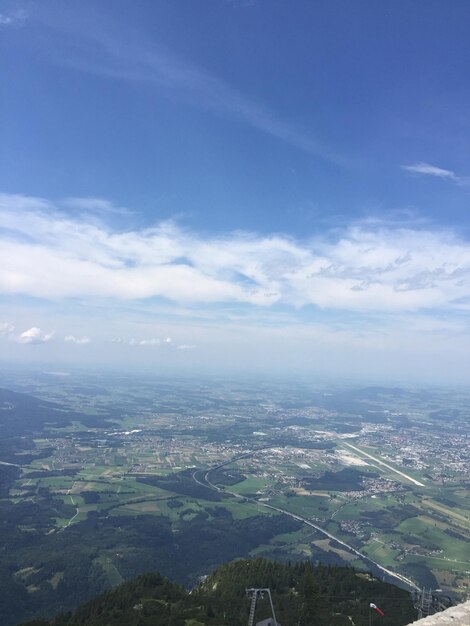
376,608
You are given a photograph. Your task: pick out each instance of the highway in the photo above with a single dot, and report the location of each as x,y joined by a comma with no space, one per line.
74,504
207,483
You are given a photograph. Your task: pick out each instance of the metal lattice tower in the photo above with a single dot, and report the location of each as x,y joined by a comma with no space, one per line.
251,619
254,593
425,604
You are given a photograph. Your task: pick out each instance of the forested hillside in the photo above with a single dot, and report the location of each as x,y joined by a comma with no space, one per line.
302,595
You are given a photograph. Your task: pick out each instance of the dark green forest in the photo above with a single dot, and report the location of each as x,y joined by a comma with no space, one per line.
303,594
80,557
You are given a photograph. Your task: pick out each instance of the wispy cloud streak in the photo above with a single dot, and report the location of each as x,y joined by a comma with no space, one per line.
427,169
102,52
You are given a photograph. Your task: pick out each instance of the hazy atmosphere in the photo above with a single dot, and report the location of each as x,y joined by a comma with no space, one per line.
237,186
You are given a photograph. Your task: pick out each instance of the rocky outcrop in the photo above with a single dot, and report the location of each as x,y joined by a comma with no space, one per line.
454,616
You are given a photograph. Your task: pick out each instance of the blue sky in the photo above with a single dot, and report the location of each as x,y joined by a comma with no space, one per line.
206,184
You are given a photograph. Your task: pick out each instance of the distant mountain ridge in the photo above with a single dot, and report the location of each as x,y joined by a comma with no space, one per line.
303,594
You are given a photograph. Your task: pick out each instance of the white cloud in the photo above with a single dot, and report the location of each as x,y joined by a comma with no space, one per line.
78,340
366,268
6,329
150,342
186,346
124,340
431,170
100,205
34,336
14,18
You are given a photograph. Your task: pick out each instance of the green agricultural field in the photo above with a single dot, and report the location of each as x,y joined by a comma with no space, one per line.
240,510
379,551
146,507
456,515
110,570
307,506
355,509
295,545
423,528
251,485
